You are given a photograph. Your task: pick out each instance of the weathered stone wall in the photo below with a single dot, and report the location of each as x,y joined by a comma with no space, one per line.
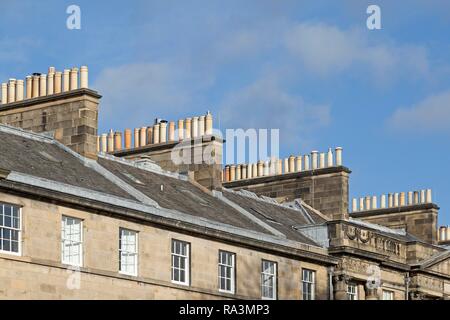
71,116
419,220
324,189
201,158
39,274
345,234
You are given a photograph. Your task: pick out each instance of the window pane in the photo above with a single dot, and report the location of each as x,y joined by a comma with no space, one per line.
268,279
15,246
128,251
308,279
180,261
6,245
71,236
226,271
15,212
8,222
182,276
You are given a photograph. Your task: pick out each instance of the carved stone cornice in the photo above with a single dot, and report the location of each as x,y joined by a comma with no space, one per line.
373,239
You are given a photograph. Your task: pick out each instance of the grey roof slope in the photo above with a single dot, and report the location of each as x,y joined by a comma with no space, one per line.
37,155
277,216
43,159
30,156
178,194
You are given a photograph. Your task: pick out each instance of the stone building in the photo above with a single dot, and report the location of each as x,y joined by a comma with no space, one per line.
152,213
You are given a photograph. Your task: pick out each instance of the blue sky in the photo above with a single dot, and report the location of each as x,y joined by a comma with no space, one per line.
310,68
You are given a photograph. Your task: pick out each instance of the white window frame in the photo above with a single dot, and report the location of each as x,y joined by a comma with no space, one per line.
390,292
311,283
187,262
232,273
131,253
79,243
351,292
19,230
272,280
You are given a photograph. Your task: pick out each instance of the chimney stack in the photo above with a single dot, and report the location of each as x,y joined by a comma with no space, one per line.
29,87
383,201
66,77
338,156
19,90
180,130
58,82
209,124
4,93
171,131
330,158
156,132
104,140
71,119
127,138
299,163
84,82
354,205
42,85
11,90
227,174
143,137
51,81
136,137
428,196
322,160
110,141
117,141
194,133
188,128
74,78
163,132
201,126
314,159
291,164
35,85
149,135
232,172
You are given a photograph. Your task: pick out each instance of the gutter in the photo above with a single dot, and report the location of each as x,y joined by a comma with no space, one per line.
178,222
4,173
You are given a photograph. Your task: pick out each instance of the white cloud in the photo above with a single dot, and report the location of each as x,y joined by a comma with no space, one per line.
328,50
135,94
264,104
16,50
430,115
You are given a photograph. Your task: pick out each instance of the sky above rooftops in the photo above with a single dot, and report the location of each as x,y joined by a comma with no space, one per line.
310,68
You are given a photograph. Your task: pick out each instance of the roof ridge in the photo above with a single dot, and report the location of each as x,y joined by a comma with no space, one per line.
42,137
248,215
253,195
400,232
304,204
134,163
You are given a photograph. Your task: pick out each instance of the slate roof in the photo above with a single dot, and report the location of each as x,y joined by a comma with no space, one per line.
37,156
277,216
43,159
178,195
